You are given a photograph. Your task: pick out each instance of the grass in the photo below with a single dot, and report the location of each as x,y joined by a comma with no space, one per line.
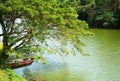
3,76
9,75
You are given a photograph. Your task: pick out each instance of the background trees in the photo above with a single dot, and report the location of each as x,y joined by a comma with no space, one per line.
107,12
103,13
26,24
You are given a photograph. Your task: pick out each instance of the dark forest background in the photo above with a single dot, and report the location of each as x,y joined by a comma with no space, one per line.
100,13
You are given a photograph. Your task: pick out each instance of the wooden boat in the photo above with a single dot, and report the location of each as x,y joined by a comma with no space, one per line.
17,63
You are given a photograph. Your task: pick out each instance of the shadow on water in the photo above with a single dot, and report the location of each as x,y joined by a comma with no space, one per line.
55,70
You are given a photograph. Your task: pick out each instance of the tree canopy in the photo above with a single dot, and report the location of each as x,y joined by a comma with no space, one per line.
27,24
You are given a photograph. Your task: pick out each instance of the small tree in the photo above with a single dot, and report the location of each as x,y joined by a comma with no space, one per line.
26,24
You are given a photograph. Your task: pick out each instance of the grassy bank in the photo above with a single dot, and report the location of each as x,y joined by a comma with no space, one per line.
9,75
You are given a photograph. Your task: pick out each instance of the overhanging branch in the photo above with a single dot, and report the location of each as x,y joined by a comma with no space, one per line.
1,34
19,39
22,44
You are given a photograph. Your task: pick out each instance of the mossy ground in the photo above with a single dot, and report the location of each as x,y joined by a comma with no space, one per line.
9,75
3,76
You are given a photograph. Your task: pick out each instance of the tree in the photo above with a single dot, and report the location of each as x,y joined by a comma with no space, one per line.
102,13
87,11
26,24
107,12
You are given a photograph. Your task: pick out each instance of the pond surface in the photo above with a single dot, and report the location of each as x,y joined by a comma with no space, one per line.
102,64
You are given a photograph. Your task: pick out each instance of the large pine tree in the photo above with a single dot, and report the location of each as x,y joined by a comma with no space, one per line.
26,24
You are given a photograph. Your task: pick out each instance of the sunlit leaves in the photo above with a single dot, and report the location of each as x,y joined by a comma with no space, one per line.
39,21
1,46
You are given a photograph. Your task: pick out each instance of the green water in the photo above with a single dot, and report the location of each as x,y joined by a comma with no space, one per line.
102,64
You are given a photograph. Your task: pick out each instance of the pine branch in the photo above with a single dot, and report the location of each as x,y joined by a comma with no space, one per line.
19,39
22,44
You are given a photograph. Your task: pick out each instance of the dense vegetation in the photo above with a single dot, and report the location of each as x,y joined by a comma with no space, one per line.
102,13
31,26
27,25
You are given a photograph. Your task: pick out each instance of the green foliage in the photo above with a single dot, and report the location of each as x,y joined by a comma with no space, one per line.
86,11
9,75
100,12
3,76
107,18
32,27
29,23
28,26
12,76
85,5
107,11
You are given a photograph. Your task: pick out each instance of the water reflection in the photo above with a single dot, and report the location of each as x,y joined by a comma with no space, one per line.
102,64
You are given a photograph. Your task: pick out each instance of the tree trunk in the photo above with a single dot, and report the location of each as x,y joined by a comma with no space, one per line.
3,59
3,52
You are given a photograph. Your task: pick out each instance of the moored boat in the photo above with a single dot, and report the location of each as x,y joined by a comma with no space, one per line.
17,63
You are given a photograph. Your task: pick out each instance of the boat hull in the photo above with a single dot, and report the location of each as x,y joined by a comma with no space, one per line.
20,64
